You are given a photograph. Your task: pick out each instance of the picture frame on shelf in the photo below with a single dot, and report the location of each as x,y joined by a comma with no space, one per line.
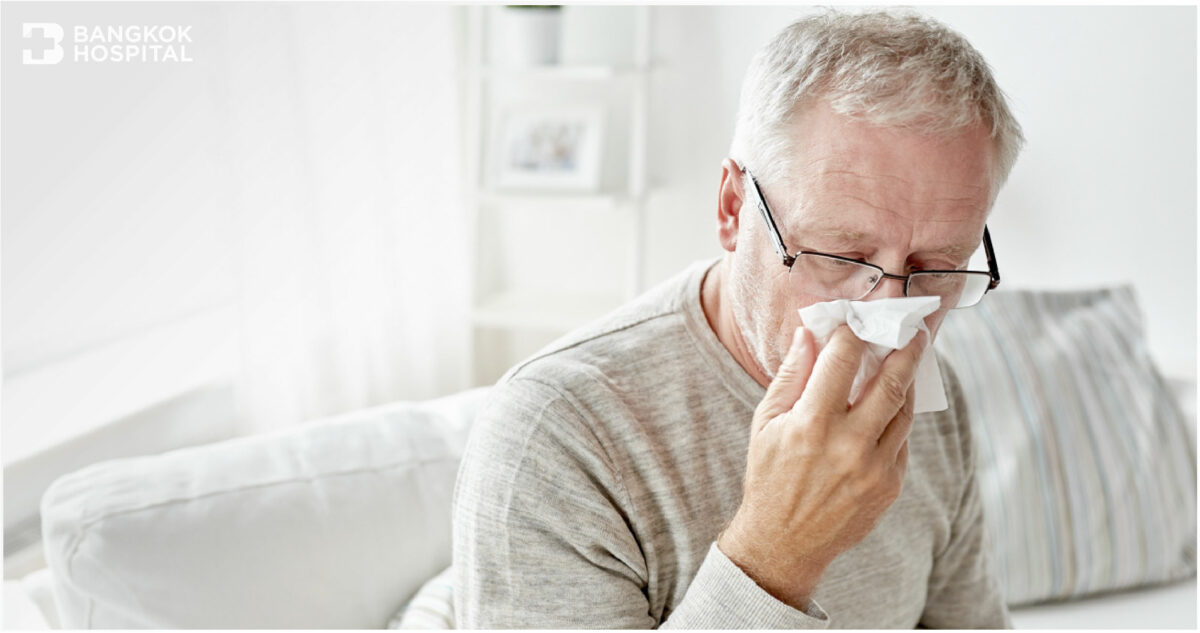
556,148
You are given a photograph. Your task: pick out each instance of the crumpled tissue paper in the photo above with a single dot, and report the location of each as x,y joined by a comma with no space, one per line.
886,324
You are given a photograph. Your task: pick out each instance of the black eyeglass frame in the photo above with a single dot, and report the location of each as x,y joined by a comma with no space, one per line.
993,271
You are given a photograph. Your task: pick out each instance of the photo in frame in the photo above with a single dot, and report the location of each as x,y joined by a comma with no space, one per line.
541,147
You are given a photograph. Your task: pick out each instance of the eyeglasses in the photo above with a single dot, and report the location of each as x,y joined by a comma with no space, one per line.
835,277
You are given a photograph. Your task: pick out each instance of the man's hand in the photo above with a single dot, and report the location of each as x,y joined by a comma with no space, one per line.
820,472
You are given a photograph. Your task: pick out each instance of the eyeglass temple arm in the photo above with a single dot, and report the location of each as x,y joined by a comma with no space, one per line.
773,230
991,259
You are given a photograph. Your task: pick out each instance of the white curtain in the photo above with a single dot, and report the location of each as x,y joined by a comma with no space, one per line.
344,144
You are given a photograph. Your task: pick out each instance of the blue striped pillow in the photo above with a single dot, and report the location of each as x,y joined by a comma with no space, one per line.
1085,468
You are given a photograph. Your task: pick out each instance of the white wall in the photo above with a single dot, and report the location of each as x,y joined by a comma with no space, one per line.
103,237
1104,193
244,237
114,199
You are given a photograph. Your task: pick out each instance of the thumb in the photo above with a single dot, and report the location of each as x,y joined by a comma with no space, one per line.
789,382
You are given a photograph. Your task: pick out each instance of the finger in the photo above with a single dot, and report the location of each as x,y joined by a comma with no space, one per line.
789,382
898,428
885,393
837,364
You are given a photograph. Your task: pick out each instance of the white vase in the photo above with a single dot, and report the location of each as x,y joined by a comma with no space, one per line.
530,36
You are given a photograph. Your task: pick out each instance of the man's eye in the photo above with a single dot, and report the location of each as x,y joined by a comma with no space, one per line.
932,266
829,263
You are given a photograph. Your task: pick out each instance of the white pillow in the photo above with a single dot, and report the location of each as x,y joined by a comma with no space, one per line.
330,525
1086,469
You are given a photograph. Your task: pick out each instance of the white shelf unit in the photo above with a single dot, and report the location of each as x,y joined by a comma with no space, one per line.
548,261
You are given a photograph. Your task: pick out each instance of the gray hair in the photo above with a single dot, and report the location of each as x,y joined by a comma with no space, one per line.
894,69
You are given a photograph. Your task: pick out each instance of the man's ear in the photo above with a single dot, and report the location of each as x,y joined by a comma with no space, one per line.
730,198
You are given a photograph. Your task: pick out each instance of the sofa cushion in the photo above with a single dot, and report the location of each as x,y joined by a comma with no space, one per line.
333,524
1086,469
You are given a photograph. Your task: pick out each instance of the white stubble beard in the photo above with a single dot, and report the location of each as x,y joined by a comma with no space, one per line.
748,291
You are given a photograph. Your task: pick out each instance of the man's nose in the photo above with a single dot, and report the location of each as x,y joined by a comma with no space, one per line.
889,287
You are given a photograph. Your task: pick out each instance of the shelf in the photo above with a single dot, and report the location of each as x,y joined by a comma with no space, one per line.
522,236
542,310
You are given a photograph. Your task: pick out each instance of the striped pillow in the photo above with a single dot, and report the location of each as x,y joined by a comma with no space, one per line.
1086,471
431,608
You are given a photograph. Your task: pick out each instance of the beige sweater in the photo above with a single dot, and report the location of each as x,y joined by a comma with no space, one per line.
601,471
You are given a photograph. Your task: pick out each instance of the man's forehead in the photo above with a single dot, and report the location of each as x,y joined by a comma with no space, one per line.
839,172
839,182
845,204
831,150
834,233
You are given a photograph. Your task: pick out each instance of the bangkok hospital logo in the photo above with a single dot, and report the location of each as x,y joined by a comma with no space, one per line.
47,43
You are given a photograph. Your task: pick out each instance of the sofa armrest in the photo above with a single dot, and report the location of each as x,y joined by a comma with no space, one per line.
333,524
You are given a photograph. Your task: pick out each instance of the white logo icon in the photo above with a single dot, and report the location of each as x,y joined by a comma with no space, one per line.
45,44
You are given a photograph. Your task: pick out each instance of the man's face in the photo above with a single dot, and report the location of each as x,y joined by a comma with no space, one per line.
898,200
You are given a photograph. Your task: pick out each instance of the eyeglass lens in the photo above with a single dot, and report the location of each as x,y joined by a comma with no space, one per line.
832,278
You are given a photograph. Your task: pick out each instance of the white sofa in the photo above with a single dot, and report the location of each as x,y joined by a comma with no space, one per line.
336,524
333,525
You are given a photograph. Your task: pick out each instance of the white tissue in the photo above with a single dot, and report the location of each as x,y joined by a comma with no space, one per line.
886,324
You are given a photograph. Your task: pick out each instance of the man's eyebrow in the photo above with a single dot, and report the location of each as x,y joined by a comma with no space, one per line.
843,235
957,253
840,234
956,250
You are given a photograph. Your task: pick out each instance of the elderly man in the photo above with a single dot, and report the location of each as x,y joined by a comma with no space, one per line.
691,460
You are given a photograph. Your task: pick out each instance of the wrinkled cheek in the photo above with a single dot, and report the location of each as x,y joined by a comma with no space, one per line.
786,318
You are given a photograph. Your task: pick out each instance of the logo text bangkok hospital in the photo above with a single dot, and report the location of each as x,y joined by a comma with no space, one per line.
96,44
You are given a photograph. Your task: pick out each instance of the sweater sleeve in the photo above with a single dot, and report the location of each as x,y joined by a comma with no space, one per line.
963,592
543,536
722,596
